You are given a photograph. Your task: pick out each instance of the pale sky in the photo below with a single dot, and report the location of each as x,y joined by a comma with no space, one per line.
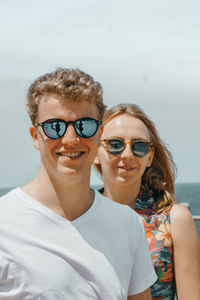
144,52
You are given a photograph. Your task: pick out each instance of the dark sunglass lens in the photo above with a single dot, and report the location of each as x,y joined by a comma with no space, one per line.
54,129
115,146
140,148
86,127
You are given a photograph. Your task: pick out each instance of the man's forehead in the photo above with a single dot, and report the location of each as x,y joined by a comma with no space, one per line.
64,100
56,103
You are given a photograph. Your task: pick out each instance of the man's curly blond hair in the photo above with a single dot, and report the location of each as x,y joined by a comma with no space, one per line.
69,84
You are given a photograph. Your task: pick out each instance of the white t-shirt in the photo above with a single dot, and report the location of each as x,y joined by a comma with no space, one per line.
101,255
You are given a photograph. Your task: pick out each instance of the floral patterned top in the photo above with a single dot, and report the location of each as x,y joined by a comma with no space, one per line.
157,227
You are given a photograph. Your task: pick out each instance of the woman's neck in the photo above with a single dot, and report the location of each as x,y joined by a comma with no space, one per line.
121,194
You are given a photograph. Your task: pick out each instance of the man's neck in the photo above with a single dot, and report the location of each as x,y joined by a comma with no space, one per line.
68,199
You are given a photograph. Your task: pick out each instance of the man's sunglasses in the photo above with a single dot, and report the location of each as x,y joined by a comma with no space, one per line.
56,128
116,146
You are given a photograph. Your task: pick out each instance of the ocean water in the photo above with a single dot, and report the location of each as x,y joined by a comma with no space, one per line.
185,192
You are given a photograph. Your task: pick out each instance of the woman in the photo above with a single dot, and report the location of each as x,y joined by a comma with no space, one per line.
138,170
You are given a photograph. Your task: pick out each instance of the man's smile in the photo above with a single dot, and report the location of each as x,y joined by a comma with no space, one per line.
74,154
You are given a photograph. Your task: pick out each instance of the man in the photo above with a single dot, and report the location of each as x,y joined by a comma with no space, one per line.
59,238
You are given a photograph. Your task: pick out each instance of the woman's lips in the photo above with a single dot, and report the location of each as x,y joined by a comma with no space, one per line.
126,168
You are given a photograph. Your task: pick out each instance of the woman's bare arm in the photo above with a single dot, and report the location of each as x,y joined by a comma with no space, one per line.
186,245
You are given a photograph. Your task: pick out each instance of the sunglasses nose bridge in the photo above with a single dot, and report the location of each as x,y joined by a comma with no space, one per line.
127,151
70,136
127,142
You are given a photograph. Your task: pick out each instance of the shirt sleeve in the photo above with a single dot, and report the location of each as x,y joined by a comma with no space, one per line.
143,274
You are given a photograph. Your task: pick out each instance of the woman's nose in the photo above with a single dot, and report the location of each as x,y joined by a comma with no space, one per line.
127,152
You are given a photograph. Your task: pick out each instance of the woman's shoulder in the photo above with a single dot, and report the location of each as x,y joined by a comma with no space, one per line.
180,213
182,223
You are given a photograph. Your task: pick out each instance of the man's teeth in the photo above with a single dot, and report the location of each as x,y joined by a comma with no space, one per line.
71,154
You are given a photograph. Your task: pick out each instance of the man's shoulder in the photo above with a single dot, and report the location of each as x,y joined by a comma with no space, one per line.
10,193
114,209
7,199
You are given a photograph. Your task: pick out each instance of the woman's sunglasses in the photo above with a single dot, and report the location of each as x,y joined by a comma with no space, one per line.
116,146
56,128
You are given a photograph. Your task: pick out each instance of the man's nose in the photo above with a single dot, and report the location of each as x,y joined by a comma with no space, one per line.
70,137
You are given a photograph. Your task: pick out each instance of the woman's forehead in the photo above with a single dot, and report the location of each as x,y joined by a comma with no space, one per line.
126,126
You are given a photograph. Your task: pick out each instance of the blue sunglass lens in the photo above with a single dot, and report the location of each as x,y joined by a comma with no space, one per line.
140,148
54,129
86,127
115,146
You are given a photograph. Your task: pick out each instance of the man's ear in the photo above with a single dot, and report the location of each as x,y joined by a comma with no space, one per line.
34,134
96,160
101,129
100,134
